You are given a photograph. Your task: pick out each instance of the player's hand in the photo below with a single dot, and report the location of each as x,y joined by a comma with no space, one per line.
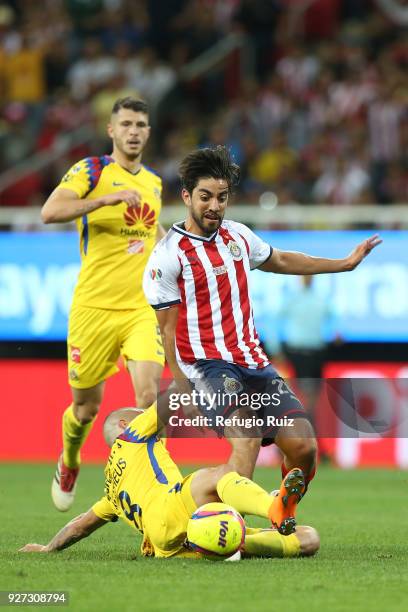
130,196
361,251
33,548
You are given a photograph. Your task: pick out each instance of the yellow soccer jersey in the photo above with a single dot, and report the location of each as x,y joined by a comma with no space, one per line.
139,477
115,241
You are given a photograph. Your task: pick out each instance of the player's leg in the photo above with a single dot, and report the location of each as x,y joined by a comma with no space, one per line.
145,377
77,422
244,454
291,431
222,483
142,348
93,350
224,381
249,498
304,542
299,447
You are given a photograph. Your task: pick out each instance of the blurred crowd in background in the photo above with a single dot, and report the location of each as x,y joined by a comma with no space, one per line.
312,103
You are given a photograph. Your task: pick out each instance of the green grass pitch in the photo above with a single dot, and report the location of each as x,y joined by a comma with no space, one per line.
362,518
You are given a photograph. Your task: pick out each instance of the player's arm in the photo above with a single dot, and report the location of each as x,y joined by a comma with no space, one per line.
74,531
167,320
160,284
291,262
65,205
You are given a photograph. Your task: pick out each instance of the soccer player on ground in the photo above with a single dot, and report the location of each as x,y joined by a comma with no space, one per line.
197,281
115,201
144,487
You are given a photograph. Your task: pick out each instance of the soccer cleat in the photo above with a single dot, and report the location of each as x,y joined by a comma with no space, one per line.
63,486
283,508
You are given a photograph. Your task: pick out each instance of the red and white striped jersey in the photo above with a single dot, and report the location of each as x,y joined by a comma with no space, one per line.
208,277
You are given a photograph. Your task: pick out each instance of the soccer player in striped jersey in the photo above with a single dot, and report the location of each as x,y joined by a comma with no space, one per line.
115,201
197,281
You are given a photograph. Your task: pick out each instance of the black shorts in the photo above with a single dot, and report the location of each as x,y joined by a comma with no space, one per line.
257,402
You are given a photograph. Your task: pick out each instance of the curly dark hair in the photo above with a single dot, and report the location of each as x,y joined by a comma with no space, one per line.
211,162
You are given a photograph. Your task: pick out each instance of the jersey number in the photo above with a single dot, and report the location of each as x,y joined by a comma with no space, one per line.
131,511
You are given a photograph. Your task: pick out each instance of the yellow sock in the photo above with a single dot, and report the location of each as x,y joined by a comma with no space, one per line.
270,543
73,435
244,495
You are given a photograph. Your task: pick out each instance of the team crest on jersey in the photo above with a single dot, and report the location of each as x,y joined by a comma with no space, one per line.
135,246
231,385
156,273
141,214
235,250
75,354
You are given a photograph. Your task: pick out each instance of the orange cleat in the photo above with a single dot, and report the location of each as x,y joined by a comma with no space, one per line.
283,508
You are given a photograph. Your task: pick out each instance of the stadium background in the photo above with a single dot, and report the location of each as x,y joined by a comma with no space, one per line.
311,99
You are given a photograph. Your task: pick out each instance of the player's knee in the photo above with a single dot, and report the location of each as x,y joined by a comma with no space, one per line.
85,412
221,471
303,452
146,398
246,446
309,540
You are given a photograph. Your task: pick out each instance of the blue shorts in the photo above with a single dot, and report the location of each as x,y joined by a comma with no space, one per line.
259,396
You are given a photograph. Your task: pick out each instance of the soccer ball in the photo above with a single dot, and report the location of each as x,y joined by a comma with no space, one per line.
216,531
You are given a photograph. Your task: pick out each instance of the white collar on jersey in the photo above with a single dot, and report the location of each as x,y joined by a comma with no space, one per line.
178,227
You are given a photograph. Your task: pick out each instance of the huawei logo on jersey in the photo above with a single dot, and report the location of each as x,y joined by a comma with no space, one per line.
140,214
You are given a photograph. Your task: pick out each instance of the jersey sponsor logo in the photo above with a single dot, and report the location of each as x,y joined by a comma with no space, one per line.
219,270
75,354
235,250
73,374
134,232
135,246
156,273
141,214
232,385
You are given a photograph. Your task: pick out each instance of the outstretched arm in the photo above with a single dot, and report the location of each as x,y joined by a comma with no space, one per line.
80,527
291,262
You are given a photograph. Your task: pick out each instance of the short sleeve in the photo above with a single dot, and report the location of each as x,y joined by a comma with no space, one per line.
77,179
258,250
105,510
142,427
160,281
145,424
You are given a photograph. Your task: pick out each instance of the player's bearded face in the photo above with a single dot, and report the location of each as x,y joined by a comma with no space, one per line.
207,205
129,132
